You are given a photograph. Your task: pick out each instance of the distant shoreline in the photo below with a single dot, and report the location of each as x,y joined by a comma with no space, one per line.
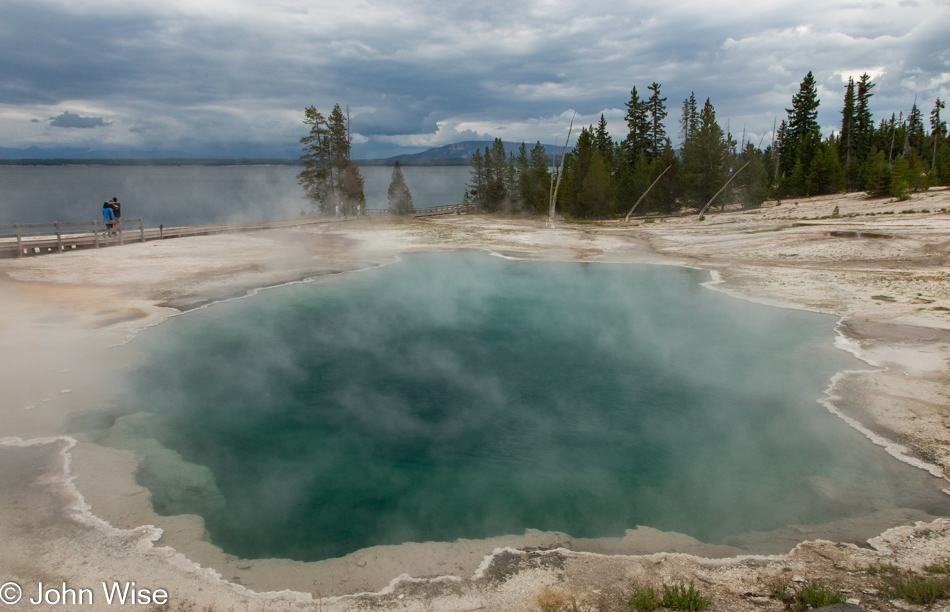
187,161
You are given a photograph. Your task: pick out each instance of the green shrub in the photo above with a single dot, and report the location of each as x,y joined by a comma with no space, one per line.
918,590
643,598
679,597
816,594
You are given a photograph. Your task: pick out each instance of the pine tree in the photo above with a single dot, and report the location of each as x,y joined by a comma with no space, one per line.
847,143
938,130
803,138
351,189
656,107
638,140
753,183
878,181
689,120
664,196
705,162
477,186
316,159
400,200
540,178
325,156
596,196
825,174
864,123
521,195
914,135
601,137
496,176
605,144
575,171
339,142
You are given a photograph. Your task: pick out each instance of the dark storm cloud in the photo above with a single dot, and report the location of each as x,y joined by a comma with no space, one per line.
237,73
70,120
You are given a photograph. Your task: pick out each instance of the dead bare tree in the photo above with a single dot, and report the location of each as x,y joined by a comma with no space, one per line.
640,199
774,152
723,187
560,172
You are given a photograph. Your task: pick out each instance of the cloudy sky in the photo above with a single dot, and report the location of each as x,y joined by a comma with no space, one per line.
230,78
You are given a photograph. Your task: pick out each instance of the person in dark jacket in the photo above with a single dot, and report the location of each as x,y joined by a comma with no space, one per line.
108,214
116,210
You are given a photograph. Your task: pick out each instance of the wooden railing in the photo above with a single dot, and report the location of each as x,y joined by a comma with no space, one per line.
448,209
35,238
22,239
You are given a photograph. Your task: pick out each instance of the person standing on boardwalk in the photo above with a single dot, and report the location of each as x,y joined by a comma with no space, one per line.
116,212
107,216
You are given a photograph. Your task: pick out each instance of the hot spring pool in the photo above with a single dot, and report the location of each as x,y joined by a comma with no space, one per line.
461,395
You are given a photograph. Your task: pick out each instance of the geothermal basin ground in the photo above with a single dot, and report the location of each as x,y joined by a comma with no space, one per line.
72,509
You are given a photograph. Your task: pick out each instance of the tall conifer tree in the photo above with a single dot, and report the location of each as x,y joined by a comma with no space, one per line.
864,132
316,159
938,129
477,182
803,139
656,107
848,142
400,200
689,120
638,127
846,145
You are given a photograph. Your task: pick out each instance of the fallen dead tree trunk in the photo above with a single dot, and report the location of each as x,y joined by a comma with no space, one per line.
640,199
554,186
703,211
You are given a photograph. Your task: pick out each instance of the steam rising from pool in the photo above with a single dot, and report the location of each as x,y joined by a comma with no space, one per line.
459,395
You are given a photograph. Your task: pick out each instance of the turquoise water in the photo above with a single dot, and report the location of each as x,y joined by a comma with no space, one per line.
460,395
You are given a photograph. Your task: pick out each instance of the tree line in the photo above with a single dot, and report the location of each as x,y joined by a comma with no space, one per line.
330,178
603,177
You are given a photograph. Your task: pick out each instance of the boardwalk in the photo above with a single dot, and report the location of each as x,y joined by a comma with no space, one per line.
28,239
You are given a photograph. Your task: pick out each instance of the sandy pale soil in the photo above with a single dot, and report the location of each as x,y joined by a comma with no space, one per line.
71,511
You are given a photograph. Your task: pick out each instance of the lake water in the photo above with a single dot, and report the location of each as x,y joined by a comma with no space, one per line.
460,395
193,195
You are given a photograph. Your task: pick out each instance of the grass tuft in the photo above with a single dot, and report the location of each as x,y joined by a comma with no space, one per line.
816,594
643,598
679,597
918,590
882,569
938,568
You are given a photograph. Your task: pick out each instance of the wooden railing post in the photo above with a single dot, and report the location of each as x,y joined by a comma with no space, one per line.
121,237
59,238
95,232
19,241
141,230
